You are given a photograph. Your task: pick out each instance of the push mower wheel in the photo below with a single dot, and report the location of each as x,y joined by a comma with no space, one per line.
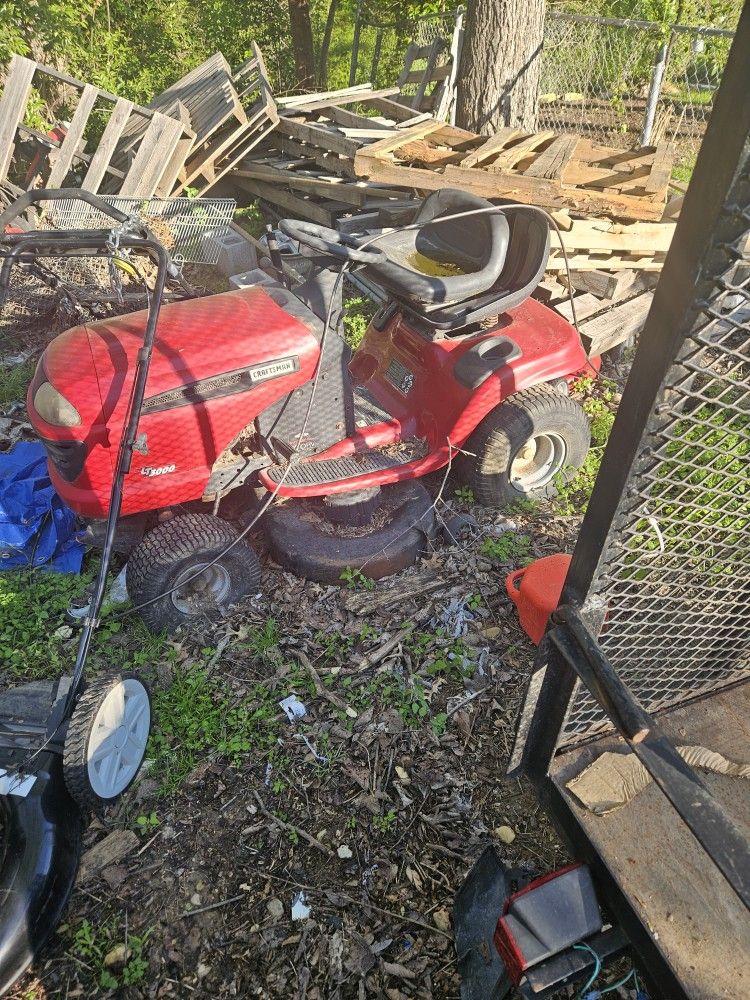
106,740
320,552
522,446
173,554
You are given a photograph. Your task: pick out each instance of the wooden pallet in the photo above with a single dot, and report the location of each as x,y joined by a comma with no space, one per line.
542,168
245,119
599,244
307,165
146,172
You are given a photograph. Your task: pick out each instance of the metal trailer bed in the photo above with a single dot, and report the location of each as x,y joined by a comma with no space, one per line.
650,647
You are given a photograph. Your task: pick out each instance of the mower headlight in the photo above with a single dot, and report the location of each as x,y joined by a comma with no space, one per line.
54,408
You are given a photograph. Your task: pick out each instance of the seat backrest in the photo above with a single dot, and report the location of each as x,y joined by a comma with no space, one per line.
475,245
525,264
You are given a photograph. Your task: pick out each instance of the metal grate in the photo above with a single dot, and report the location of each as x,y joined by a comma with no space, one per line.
190,228
673,585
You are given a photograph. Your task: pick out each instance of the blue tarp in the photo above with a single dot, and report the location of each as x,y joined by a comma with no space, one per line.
36,528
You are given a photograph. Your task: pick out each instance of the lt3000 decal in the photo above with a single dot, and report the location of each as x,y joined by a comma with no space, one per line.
162,470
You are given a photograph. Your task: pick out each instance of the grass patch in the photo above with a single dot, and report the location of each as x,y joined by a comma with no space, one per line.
14,381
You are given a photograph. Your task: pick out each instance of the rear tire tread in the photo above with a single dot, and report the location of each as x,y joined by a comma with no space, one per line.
504,429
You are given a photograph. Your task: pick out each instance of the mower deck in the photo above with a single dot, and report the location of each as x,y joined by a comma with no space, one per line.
697,923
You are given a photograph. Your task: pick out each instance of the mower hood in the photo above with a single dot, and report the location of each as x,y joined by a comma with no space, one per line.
41,830
93,365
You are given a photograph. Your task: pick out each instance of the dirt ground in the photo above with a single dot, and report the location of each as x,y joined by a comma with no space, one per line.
315,859
377,838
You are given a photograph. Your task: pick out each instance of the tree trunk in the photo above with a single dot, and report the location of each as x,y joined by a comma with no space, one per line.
325,45
302,43
501,60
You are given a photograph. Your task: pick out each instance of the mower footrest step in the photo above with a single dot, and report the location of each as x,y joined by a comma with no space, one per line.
331,470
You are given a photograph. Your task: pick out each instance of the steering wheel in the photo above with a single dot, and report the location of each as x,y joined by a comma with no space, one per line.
330,241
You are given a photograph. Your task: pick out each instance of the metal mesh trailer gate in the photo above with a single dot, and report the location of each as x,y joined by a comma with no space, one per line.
651,644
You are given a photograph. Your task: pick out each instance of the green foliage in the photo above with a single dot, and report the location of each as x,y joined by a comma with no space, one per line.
93,944
145,823
510,547
465,494
573,491
384,823
196,717
358,311
355,579
32,610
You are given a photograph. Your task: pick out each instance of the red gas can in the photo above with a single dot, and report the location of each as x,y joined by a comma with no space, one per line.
535,590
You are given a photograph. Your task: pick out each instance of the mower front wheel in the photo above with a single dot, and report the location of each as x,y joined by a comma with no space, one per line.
184,570
106,740
522,446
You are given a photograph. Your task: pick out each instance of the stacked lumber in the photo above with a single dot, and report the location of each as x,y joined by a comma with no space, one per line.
609,308
187,138
306,166
603,245
542,168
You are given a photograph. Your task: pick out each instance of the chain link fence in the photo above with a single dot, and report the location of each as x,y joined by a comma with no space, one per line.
620,82
629,82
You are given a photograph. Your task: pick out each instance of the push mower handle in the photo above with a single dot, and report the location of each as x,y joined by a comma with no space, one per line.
30,198
329,241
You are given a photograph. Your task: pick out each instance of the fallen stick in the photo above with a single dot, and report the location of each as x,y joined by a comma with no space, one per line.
291,828
372,659
212,906
320,689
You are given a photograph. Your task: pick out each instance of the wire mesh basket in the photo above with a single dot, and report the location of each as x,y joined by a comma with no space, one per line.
190,228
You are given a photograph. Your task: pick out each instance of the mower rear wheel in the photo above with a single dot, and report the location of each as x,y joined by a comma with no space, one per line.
182,572
106,740
522,446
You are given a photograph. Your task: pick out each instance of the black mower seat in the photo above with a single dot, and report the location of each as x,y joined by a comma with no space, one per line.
474,247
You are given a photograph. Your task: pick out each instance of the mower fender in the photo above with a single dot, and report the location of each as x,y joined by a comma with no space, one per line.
548,349
40,854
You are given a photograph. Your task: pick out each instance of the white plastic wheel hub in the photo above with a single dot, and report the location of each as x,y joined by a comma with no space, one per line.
117,742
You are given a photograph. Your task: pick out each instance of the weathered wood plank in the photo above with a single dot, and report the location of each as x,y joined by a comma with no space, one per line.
428,74
438,73
107,144
553,160
661,170
298,207
323,96
13,106
585,305
698,923
64,158
602,283
318,136
608,329
596,235
153,156
509,158
495,144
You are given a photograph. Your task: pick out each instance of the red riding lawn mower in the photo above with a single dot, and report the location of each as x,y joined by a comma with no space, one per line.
253,396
